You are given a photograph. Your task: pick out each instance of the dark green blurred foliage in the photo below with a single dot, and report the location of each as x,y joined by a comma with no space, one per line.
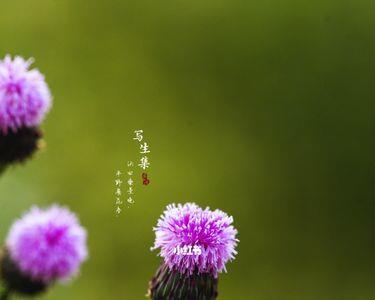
264,109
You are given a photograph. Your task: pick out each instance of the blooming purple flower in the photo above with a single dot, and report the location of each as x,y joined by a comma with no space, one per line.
190,225
48,244
24,95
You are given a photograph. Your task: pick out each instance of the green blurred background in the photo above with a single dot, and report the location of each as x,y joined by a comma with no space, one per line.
264,109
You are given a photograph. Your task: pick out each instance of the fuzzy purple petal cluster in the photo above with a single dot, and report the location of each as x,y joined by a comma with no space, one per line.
24,95
48,244
190,225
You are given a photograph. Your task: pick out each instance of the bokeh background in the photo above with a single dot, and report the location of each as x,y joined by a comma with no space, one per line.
264,109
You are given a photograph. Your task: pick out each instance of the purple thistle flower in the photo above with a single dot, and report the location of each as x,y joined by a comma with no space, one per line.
47,245
207,240
24,95
189,225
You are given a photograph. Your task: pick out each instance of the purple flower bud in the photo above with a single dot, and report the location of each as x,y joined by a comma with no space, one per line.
47,245
24,94
24,101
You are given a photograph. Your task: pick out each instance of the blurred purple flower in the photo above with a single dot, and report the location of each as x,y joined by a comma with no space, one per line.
24,95
47,245
190,225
